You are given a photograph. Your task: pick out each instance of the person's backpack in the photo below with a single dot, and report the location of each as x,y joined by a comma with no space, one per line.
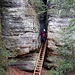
43,34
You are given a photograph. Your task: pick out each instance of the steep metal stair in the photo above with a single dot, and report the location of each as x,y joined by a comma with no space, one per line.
39,63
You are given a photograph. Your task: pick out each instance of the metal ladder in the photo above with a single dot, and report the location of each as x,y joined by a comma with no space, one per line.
39,63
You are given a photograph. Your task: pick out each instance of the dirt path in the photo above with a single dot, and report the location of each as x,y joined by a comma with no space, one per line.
13,71
72,73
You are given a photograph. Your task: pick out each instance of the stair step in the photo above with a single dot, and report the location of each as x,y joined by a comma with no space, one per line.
36,73
39,64
37,70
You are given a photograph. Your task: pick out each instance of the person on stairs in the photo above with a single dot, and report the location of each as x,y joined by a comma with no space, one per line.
43,36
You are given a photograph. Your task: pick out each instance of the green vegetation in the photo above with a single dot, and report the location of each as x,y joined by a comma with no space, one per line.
4,54
67,7
63,4
3,57
67,50
38,5
66,58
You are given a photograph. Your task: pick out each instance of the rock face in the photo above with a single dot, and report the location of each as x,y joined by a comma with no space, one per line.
26,63
20,26
14,71
57,18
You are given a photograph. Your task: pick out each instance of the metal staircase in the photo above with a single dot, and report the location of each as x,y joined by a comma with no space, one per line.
39,63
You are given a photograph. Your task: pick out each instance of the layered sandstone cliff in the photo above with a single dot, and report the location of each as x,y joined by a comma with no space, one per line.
58,18
20,26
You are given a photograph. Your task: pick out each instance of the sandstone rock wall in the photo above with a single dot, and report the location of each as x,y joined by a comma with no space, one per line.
20,26
57,18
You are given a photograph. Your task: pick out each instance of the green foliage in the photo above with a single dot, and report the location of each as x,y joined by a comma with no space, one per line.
71,27
64,5
2,71
4,54
38,5
67,50
3,57
66,58
53,72
64,66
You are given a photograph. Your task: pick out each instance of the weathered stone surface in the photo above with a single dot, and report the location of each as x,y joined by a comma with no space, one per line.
58,18
50,66
11,3
25,63
20,26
